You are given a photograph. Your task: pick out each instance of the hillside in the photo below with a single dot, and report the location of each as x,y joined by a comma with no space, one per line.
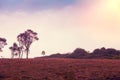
59,69
79,53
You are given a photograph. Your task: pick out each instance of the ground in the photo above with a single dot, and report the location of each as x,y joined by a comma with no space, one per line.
59,69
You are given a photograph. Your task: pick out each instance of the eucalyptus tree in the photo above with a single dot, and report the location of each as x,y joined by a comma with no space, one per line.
26,39
15,50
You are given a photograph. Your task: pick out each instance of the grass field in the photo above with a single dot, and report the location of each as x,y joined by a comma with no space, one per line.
59,69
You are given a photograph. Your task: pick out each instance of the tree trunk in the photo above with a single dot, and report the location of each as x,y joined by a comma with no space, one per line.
27,53
22,54
12,55
19,55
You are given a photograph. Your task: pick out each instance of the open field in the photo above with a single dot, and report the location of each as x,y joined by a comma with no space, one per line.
59,69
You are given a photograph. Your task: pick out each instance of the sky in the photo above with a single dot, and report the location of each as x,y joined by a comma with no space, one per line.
62,25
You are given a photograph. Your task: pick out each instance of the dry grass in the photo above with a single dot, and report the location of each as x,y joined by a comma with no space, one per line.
59,69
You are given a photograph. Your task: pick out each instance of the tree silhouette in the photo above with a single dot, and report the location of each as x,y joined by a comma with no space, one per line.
15,50
2,43
43,53
26,39
78,53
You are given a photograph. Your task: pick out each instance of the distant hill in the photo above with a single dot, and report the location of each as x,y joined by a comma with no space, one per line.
80,53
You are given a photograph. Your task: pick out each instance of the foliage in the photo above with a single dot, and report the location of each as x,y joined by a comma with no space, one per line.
80,53
15,50
2,43
26,39
43,53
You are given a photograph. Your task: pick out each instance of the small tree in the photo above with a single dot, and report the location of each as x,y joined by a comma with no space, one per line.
2,43
26,39
43,53
15,50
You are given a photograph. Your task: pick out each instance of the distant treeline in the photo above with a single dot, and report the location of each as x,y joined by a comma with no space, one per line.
79,53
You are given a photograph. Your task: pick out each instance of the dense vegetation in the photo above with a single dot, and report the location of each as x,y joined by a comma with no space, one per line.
79,53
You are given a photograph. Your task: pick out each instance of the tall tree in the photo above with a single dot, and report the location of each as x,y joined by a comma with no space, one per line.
3,42
26,39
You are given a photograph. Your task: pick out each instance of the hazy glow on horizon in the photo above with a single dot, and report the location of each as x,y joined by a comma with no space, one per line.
87,24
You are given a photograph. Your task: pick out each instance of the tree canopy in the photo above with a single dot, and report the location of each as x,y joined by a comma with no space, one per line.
3,42
26,39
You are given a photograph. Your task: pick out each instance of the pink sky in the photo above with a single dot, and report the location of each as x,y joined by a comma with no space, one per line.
93,24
